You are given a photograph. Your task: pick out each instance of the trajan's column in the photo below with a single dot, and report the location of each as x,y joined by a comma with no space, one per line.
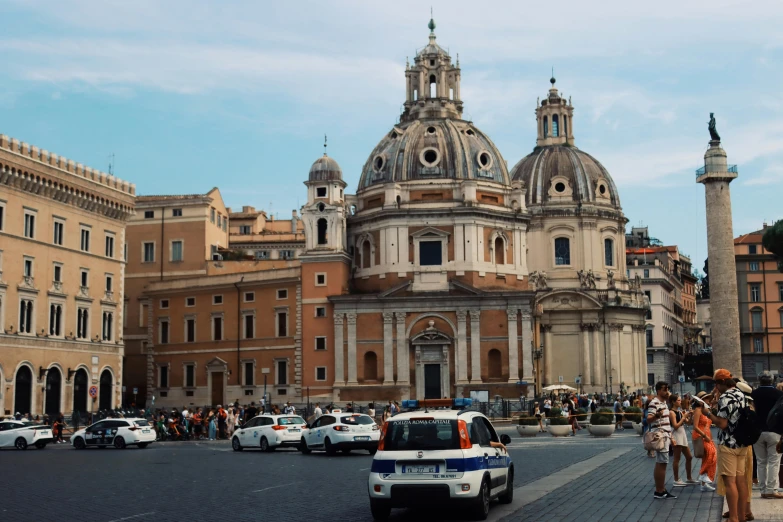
716,176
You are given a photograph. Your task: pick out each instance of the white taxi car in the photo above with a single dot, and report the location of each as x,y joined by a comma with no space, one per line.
119,433
268,432
440,456
19,435
338,431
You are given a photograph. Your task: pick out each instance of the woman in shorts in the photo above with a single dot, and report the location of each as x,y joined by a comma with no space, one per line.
679,441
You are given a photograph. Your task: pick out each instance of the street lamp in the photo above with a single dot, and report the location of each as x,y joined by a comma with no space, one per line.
537,355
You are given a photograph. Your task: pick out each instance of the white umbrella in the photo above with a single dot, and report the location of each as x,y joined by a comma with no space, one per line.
559,387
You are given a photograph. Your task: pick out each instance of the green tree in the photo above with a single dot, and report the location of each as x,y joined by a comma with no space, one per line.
773,241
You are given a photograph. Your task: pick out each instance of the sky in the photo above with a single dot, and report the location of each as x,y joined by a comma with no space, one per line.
187,95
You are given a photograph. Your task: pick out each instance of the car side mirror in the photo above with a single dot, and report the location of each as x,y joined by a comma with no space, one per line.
505,439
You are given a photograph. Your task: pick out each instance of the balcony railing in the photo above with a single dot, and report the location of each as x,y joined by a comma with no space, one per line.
702,171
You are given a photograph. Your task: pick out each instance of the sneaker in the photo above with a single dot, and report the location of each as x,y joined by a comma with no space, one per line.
706,487
657,495
691,482
756,486
666,494
679,484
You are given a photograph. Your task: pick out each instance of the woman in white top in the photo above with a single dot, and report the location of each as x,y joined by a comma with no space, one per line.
539,415
677,419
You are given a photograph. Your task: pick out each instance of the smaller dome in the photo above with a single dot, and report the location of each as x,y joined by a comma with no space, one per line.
325,169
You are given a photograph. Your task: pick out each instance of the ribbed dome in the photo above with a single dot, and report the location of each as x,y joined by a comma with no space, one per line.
325,169
434,149
559,173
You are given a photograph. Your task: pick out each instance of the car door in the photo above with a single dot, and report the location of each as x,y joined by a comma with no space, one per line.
117,428
5,434
93,435
495,457
314,433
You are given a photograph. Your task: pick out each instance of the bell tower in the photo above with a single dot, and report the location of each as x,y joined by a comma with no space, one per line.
432,83
554,115
324,214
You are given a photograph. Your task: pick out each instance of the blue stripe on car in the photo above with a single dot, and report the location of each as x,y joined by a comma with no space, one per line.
452,465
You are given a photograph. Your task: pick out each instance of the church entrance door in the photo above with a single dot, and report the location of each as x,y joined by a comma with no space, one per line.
432,381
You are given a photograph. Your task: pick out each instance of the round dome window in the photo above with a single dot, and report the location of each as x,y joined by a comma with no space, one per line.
602,189
430,130
378,162
484,159
429,157
560,187
470,132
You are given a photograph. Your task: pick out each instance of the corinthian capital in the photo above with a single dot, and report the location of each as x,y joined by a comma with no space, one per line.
351,318
388,317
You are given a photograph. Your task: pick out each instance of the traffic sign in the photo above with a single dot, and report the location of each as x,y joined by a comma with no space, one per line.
93,391
682,378
135,391
578,380
560,378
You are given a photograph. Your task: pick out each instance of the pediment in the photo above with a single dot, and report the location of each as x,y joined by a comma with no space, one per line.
567,300
430,232
217,362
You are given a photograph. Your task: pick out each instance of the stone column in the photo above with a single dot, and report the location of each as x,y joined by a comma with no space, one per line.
351,349
586,362
641,347
548,355
513,346
388,348
461,361
724,308
527,347
598,356
475,346
339,346
403,357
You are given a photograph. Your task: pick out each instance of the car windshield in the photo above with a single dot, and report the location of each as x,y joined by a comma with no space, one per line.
421,434
285,421
355,420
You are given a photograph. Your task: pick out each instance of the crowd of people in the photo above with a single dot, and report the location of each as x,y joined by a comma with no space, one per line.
747,453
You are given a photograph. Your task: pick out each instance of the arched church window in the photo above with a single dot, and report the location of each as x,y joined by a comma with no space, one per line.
565,126
494,364
500,251
555,121
370,366
562,251
322,225
366,254
608,252
433,87
546,126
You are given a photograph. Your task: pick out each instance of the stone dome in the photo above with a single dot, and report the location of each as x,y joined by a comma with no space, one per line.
442,148
325,169
562,173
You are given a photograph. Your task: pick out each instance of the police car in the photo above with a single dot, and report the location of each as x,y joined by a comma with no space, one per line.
268,432
438,453
338,431
119,433
19,435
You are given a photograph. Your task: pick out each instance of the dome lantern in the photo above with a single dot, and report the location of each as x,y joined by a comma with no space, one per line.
554,116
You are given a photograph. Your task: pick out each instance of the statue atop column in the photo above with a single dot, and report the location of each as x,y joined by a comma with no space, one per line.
714,136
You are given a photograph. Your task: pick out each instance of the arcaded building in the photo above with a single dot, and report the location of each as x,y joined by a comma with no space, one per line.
62,274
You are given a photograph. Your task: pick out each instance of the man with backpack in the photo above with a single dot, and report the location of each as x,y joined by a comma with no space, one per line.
765,397
736,423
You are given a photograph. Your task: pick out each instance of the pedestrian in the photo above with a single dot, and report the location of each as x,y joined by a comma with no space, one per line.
371,410
571,407
618,414
59,424
231,419
703,436
197,419
678,418
659,420
349,407
317,413
289,410
222,417
732,458
250,412
212,420
765,397
547,407
537,413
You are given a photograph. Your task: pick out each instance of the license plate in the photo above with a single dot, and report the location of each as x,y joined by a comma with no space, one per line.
293,430
145,431
45,432
425,469
361,438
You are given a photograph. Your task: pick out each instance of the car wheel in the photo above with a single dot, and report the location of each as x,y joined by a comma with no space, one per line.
329,448
508,496
40,444
481,506
303,447
235,445
143,445
78,443
20,444
380,509
119,443
264,444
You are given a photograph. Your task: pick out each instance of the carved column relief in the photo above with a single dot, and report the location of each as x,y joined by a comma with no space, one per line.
548,355
599,375
388,348
587,363
351,317
461,361
403,352
527,348
475,346
339,346
513,346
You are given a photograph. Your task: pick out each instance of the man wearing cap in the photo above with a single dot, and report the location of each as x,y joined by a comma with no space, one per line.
765,397
732,457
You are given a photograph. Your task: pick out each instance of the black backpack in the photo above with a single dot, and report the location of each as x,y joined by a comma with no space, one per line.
775,418
747,432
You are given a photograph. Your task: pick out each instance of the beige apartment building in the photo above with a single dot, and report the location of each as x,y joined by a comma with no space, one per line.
62,273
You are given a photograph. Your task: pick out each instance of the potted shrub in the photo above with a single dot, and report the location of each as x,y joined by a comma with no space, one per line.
583,417
528,427
558,425
634,415
602,423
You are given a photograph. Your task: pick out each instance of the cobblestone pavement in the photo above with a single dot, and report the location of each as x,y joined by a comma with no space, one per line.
205,481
